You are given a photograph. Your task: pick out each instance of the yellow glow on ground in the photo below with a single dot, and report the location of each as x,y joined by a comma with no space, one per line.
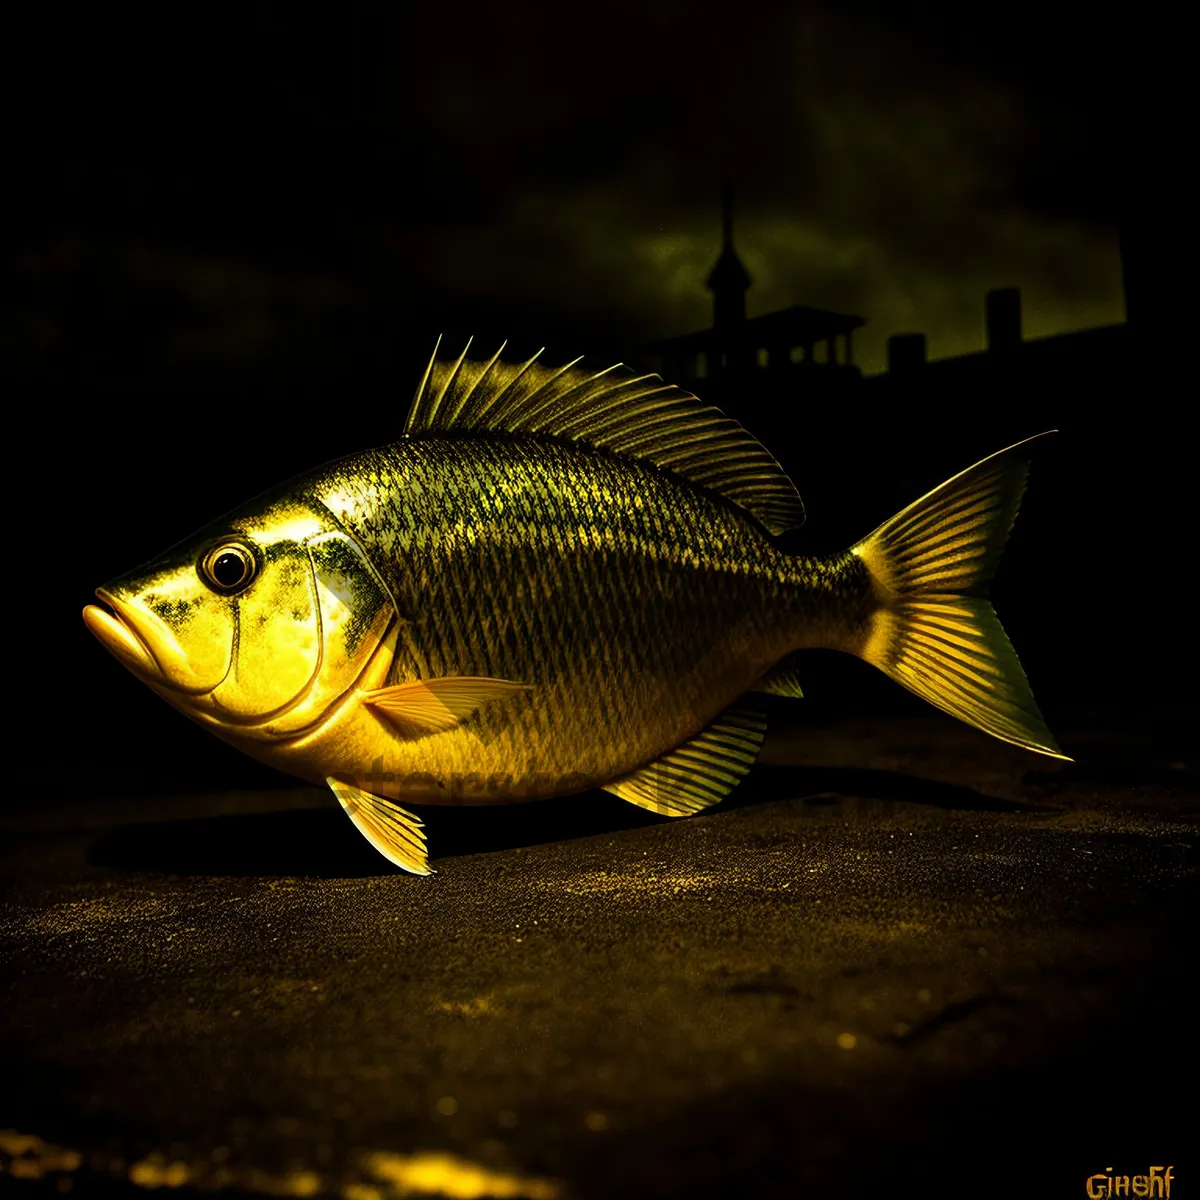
151,1173
430,1173
444,1175
655,882
156,1171
28,1157
476,1006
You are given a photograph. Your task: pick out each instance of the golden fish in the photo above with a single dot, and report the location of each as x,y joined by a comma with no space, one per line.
555,580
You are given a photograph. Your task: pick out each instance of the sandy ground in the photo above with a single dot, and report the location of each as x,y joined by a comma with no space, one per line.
902,956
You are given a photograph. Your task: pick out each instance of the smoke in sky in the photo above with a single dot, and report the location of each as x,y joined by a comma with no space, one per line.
459,162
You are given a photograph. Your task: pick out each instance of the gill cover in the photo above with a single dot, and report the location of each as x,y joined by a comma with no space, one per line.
302,632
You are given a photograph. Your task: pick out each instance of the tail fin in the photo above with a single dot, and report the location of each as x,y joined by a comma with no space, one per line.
935,631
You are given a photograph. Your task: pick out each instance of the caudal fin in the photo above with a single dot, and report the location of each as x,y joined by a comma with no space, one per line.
935,630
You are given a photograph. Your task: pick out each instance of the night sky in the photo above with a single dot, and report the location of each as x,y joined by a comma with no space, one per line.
238,229
275,173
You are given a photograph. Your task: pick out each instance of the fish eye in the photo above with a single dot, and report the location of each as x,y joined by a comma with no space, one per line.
228,567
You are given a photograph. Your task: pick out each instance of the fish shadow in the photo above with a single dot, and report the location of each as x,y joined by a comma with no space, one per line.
834,785
322,843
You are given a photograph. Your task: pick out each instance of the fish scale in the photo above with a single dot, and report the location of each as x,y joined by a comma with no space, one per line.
554,492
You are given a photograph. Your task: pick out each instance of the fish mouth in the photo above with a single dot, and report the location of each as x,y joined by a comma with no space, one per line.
140,642
116,632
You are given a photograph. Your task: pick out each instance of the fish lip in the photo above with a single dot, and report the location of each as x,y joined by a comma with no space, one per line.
114,629
167,666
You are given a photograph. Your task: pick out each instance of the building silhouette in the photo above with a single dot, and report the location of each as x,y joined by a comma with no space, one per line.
1046,371
789,375
752,363
861,448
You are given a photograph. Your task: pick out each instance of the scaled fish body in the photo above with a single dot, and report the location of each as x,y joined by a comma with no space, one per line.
555,580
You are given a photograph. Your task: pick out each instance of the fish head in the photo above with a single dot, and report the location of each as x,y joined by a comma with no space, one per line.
257,626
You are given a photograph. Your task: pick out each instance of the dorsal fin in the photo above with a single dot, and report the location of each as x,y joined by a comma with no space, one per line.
637,415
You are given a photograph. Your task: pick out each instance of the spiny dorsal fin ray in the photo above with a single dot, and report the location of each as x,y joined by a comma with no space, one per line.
614,409
701,772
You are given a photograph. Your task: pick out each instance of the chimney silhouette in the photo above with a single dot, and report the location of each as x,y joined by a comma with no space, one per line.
729,279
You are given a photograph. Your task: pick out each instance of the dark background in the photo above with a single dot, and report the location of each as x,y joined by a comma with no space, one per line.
233,232
239,228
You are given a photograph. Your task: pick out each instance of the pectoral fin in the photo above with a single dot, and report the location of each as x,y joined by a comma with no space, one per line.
702,771
396,834
434,705
782,679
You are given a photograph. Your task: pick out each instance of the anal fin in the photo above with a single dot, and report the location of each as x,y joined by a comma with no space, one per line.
700,772
396,834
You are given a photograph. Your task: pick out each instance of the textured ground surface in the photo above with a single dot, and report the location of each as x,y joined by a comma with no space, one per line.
947,964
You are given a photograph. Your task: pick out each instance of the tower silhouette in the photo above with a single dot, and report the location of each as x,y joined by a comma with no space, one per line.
748,360
728,280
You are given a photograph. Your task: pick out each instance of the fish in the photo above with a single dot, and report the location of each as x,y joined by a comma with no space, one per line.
556,579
